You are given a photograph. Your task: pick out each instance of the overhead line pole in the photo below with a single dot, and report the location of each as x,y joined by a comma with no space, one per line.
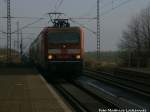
21,43
18,35
8,32
98,29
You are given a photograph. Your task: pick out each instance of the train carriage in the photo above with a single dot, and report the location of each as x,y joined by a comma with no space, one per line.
59,49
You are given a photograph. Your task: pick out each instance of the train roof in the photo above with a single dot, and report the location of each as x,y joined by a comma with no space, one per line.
78,29
55,28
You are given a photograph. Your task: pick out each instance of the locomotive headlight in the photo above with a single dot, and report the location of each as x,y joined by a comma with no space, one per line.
78,56
50,57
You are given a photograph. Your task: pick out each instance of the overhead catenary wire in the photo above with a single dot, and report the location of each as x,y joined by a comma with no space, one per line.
108,4
23,17
103,13
90,10
80,24
26,26
17,33
111,3
58,5
72,19
115,7
102,7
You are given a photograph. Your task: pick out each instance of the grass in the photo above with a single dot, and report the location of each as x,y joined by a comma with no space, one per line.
106,62
3,56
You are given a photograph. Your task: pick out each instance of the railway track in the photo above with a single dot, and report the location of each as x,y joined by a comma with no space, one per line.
81,99
137,76
138,84
116,92
88,95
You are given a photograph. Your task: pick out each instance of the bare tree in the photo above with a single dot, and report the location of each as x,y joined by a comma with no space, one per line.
145,28
136,38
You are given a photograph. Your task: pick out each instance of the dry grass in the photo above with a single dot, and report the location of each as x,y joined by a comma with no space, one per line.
15,56
105,63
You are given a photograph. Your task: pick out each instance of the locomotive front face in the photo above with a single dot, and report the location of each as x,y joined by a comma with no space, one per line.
64,46
65,49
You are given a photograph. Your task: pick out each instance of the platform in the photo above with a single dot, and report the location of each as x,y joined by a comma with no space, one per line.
24,90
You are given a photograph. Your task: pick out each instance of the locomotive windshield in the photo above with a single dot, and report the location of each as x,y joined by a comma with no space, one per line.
63,37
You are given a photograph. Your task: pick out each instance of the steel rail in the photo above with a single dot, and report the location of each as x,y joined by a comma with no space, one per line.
78,103
74,102
132,85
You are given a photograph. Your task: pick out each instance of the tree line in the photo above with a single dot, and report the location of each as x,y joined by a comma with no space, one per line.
135,41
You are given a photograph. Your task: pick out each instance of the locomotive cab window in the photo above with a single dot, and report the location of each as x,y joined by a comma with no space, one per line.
63,37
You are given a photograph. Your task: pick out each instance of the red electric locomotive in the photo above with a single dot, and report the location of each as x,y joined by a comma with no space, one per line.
59,48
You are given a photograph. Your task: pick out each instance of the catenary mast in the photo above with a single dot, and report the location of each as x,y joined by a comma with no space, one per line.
8,32
98,28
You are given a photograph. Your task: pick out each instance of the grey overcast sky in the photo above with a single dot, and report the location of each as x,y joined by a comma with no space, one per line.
112,23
